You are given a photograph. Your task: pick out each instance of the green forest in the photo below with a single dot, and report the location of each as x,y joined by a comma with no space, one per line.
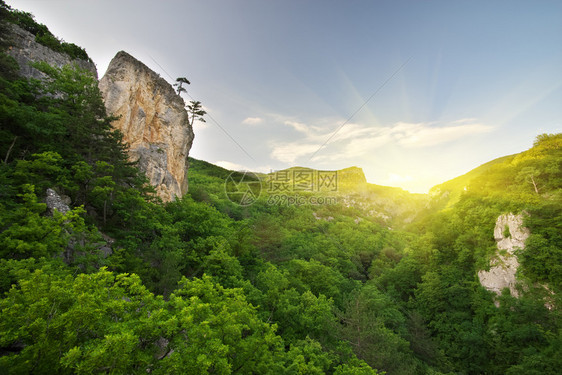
202,285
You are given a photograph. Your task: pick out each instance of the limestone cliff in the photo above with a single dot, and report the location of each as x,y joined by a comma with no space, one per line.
153,120
24,48
510,235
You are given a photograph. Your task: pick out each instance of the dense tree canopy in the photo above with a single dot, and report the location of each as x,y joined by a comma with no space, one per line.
203,285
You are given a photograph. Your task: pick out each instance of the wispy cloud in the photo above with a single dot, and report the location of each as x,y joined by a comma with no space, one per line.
357,139
425,135
252,121
289,152
299,126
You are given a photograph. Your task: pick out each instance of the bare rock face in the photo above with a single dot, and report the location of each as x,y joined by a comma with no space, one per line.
56,203
153,120
76,243
26,50
510,235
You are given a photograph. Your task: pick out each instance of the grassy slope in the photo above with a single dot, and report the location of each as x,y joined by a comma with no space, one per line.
448,193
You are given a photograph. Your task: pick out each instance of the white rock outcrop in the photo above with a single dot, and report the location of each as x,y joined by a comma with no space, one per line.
25,50
504,266
153,120
56,203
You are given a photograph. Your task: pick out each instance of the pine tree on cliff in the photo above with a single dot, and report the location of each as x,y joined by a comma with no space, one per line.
179,82
196,111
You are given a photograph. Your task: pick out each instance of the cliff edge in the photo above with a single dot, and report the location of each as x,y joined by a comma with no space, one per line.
23,47
153,120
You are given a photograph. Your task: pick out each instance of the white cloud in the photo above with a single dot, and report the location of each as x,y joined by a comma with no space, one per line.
289,152
252,121
464,121
300,127
424,135
358,146
355,140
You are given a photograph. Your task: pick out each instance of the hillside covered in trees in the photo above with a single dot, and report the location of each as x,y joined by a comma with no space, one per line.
206,285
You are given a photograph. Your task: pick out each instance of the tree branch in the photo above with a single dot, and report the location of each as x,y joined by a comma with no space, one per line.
10,150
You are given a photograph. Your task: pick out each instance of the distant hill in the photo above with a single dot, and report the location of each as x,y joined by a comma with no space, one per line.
303,179
389,205
209,169
394,206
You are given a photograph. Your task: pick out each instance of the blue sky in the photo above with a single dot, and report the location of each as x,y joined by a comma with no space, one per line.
455,83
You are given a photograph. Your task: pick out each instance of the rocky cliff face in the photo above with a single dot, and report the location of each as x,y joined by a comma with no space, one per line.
26,50
510,235
153,120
